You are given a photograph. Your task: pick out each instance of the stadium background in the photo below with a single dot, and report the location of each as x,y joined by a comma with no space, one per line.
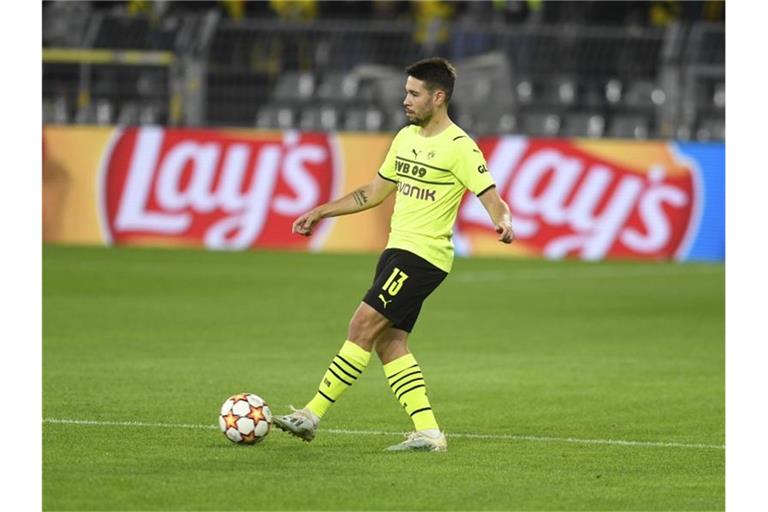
212,124
603,122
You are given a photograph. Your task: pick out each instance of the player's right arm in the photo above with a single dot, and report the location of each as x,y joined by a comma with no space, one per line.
368,196
383,184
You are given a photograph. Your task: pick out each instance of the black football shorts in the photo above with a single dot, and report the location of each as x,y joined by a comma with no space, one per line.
403,281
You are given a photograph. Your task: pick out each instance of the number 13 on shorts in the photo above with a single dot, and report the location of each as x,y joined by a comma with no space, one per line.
395,281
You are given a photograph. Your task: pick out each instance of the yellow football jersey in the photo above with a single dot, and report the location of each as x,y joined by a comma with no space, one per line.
432,174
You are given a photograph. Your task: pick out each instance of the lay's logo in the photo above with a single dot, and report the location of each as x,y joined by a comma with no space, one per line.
592,200
217,189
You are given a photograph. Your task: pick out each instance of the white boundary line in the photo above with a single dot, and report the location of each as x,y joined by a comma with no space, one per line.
615,442
583,273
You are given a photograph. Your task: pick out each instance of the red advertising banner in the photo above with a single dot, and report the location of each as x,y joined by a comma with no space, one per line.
216,189
241,189
592,199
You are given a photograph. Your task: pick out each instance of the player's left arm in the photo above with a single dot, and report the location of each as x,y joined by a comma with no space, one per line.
472,171
499,212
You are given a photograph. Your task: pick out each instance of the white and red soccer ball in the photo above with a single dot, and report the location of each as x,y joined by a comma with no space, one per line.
245,418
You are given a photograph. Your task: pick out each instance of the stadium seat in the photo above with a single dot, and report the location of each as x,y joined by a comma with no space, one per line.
366,90
644,94
100,111
482,77
363,119
541,124
276,116
324,117
467,121
629,126
524,92
397,120
718,97
613,90
488,122
712,129
592,97
295,85
151,113
507,124
129,114
474,90
56,110
683,132
584,124
338,87
554,92
567,90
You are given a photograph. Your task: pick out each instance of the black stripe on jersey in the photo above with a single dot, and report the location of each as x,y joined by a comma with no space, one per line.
459,137
388,179
425,181
421,163
485,190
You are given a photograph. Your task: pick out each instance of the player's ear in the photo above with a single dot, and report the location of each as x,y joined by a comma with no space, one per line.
439,97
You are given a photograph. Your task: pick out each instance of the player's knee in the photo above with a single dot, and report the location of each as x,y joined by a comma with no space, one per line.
389,348
363,330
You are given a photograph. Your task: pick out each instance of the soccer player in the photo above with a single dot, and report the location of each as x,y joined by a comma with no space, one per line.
430,164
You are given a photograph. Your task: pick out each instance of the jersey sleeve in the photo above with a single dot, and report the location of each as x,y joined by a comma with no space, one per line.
387,169
471,168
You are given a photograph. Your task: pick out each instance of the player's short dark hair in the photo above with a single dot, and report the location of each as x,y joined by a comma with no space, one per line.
436,73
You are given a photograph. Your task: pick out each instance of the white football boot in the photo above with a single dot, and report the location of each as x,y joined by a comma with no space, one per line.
418,441
301,423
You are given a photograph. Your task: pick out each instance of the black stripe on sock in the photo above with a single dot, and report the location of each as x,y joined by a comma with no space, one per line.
327,397
421,410
350,364
401,371
391,384
353,377
401,386
337,376
409,390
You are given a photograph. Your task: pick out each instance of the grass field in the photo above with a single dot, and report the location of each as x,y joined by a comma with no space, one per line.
561,385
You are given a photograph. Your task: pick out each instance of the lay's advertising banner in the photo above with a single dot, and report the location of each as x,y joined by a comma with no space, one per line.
242,189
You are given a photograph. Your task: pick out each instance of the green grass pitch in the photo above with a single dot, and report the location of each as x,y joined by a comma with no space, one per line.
537,371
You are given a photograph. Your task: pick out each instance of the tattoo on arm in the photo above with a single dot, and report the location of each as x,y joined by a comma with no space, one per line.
359,197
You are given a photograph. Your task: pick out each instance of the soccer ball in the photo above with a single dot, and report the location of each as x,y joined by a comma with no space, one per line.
245,418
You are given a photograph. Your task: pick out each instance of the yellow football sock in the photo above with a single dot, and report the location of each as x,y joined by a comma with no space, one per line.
407,383
344,370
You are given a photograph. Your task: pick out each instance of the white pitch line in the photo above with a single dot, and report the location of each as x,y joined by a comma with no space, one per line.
585,273
62,421
494,437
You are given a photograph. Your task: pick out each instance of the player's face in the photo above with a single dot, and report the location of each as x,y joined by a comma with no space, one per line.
419,103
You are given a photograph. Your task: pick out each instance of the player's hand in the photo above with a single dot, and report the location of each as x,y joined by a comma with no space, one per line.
304,224
506,235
